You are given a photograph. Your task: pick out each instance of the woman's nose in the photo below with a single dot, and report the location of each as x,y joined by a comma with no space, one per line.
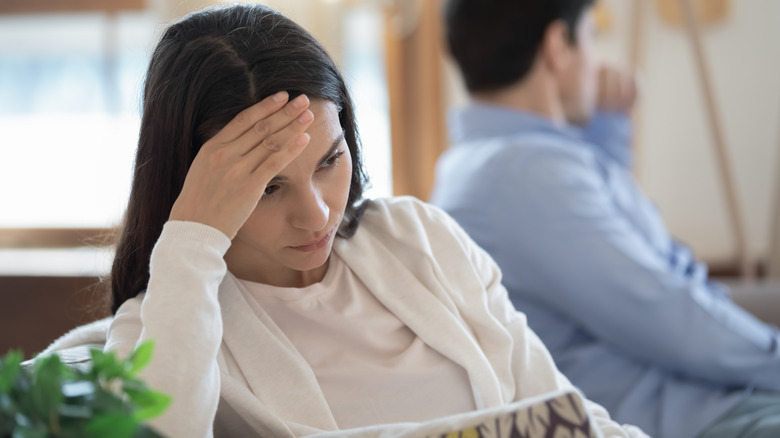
312,212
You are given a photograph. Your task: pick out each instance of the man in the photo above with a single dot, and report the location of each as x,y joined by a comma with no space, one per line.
539,176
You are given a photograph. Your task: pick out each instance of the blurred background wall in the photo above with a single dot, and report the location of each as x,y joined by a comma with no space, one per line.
71,72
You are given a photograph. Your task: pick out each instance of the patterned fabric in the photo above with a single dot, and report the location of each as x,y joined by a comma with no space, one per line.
561,417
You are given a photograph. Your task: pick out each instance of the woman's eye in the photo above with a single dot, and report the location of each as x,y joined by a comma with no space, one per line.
330,162
270,190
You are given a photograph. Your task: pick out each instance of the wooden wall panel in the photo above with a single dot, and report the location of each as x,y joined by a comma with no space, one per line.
53,6
414,70
56,237
34,311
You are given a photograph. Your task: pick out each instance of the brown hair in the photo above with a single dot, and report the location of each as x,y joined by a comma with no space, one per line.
206,69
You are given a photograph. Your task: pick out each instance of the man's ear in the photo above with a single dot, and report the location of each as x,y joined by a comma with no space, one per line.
556,48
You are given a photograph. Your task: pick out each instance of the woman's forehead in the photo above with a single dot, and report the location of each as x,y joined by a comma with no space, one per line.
325,132
326,112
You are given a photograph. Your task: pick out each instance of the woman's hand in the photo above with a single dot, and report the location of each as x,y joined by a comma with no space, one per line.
231,171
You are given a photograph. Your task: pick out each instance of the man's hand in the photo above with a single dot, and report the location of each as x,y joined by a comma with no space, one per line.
618,89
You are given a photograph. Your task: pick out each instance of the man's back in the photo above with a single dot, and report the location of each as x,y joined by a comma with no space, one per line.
627,313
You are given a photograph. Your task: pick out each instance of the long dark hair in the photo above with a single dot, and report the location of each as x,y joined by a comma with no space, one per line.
206,69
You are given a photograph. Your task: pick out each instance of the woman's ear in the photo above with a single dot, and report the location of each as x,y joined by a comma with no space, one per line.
556,48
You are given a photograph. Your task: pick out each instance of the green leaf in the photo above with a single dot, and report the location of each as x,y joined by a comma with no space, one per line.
141,357
105,366
105,402
30,432
75,411
150,404
51,399
45,392
10,367
112,426
7,406
146,432
134,385
22,420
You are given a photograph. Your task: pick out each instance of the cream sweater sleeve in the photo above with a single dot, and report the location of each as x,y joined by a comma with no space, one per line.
181,313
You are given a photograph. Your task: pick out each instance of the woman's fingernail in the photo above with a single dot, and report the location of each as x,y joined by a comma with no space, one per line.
303,139
300,101
306,117
280,96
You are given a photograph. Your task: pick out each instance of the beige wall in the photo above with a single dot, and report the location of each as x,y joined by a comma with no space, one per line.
676,159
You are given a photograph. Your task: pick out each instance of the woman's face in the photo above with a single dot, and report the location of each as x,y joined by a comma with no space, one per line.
288,238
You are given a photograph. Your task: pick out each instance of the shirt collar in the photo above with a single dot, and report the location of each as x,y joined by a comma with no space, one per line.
480,120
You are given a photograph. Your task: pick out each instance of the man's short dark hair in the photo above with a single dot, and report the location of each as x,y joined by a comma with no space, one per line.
495,42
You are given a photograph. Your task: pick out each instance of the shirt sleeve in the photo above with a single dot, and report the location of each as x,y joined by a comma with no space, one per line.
534,370
181,314
611,133
564,242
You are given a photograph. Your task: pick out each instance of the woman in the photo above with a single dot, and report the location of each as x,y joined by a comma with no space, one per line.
282,304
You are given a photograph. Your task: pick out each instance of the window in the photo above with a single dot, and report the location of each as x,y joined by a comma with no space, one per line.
70,90
364,71
69,93
69,114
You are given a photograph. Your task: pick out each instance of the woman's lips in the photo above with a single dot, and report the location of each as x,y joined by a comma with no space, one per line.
316,245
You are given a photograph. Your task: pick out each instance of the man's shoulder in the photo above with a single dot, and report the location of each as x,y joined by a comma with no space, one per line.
521,150
522,171
517,159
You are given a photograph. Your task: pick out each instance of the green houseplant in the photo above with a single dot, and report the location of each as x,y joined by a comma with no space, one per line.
51,399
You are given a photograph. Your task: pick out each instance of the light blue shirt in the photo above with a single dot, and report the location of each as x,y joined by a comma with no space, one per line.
628,314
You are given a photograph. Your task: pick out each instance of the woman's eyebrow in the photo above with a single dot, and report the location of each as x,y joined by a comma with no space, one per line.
333,147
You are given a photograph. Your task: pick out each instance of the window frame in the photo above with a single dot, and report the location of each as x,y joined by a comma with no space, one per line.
18,238
60,6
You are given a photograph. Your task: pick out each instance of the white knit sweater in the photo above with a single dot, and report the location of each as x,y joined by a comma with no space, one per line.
232,373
